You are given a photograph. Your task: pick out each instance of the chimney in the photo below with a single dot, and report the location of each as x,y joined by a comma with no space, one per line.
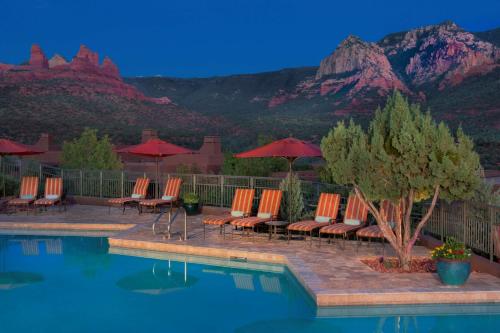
211,145
148,134
44,142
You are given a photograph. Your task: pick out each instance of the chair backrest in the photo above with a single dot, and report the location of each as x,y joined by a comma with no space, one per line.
242,200
29,186
53,186
356,209
328,205
141,186
270,202
390,211
173,188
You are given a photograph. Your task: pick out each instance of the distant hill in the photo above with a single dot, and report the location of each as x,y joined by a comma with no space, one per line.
63,97
453,72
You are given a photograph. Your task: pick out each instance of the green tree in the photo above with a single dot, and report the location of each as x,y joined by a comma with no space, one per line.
293,202
404,157
90,152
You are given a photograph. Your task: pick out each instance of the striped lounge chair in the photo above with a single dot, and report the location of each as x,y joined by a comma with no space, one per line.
326,214
53,193
269,207
355,217
139,192
27,193
170,196
242,207
391,213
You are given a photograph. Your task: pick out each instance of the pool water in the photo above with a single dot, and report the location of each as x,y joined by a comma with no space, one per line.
78,284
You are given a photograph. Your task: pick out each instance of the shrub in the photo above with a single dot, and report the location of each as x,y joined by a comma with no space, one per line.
292,205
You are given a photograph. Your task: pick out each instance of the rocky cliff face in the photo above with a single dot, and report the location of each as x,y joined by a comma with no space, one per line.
359,64
443,53
37,58
440,55
57,60
83,76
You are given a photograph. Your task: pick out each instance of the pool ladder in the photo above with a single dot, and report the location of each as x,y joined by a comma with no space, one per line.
165,228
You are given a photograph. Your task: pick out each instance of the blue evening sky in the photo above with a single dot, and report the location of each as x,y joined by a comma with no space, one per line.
195,38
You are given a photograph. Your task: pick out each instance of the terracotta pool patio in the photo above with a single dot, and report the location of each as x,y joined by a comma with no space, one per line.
332,276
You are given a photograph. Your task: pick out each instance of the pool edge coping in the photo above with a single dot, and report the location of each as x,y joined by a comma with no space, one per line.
322,299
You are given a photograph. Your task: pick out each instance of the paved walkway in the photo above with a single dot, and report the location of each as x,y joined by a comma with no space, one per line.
332,275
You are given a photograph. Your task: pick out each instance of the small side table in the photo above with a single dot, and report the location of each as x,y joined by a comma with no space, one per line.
275,225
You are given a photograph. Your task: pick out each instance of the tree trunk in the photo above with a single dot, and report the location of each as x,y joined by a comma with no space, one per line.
404,257
400,238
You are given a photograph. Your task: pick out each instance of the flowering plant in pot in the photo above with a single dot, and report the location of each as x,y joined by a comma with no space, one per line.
453,262
190,203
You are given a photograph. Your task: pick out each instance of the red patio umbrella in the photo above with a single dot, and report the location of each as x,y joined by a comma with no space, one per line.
290,149
155,148
8,147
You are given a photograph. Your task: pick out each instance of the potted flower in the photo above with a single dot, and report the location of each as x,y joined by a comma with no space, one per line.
453,262
190,203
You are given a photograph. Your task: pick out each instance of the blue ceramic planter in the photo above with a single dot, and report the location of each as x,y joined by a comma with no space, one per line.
453,272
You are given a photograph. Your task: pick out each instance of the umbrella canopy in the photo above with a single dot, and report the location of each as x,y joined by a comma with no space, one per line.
156,282
155,148
289,148
8,147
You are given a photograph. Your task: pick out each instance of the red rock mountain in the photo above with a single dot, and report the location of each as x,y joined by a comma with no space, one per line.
443,53
62,98
440,55
367,63
82,76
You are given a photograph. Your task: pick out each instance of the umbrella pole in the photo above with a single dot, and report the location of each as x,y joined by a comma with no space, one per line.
290,161
3,175
157,177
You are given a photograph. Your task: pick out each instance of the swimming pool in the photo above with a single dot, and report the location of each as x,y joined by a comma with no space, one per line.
79,284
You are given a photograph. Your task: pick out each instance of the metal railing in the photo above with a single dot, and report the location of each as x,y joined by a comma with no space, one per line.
213,190
474,224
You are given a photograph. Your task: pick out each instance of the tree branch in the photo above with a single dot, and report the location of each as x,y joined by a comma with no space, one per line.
383,225
425,217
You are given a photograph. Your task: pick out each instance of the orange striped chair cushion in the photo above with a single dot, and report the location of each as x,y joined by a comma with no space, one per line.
29,186
218,219
19,201
328,206
53,186
372,231
391,212
141,187
356,209
250,221
339,229
242,201
121,201
270,202
173,188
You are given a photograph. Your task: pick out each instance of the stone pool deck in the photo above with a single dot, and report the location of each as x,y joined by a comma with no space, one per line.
333,276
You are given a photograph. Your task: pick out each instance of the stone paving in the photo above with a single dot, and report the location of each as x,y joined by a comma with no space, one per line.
332,274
